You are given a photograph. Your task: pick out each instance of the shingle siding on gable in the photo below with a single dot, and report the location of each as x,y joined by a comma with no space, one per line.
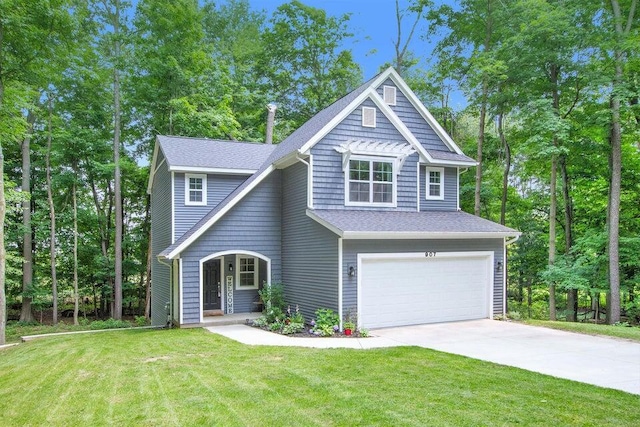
450,202
254,224
351,248
413,120
328,176
160,239
310,273
218,188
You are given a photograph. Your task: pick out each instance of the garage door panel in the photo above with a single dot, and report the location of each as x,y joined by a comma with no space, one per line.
410,290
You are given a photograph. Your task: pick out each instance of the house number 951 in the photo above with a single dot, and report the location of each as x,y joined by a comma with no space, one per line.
429,254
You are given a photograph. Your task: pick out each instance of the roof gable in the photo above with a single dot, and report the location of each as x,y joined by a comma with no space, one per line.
184,154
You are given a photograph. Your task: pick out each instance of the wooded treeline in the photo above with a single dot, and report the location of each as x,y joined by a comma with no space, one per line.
85,85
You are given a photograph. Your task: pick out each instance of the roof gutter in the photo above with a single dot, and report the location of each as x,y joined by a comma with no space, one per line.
515,239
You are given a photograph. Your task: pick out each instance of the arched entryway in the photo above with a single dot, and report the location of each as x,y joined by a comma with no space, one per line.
230,281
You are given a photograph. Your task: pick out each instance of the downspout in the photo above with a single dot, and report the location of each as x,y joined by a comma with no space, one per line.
309,177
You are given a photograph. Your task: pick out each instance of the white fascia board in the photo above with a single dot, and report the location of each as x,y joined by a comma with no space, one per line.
324,223
407,235
417,104
153,168
225,171
457,163
222,212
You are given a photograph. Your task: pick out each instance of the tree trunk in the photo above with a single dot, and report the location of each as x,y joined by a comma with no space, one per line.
553,204
572,294
3,253
26,315
75,252
483,116
613,303
507,168
52,218
147,304
3,210
117,288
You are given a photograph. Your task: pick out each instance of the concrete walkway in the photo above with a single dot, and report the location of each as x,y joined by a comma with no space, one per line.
606,362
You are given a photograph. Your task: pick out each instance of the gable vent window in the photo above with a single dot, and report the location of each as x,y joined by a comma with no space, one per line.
389,94
368,117
195,192
435,184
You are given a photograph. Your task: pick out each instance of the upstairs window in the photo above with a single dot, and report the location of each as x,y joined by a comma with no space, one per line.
195,192
370,182
247,273
435,184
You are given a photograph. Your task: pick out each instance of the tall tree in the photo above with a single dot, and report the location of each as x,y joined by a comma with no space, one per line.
117,63
26,315
52,216
622,30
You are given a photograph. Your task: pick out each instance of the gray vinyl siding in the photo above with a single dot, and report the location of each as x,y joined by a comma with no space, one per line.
414,120
309,251
160,239
450,202
218,188
328,176
254,224
351,248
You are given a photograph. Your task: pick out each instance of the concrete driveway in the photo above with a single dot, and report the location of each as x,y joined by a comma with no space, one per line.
605,362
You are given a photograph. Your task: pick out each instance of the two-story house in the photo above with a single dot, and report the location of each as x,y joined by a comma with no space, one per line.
357,210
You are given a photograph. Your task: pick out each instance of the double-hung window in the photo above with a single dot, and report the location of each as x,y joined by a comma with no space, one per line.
195,192
370,182
247,273
435,184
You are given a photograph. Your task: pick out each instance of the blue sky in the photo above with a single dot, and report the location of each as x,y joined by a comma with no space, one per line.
373,23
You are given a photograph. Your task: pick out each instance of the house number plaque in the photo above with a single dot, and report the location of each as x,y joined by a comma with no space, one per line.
429,254
230,294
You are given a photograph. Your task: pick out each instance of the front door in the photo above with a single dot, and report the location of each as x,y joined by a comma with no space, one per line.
212,285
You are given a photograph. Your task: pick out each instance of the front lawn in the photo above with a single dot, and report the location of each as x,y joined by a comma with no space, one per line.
626,332
193,377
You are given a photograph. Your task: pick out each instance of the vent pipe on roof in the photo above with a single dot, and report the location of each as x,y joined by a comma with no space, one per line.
271,117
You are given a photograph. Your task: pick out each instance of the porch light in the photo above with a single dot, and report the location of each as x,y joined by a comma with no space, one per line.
499,266
230,266
352,271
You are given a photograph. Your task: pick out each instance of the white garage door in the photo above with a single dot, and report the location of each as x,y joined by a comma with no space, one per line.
409,289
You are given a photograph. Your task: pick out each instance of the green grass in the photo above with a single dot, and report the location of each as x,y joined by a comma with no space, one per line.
630,333
193,378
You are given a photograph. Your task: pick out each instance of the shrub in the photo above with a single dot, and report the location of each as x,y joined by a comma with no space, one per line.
292,328
109,324
273,296
140,321
326,317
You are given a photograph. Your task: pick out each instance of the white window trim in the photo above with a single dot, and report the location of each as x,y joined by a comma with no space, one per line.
427,183
256,272
394,172
203,177
395,94
366,125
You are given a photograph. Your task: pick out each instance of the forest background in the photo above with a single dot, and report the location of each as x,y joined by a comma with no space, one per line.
552,116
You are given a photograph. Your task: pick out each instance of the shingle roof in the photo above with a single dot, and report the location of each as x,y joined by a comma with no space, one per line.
449,155
212,153
308,130
354,223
